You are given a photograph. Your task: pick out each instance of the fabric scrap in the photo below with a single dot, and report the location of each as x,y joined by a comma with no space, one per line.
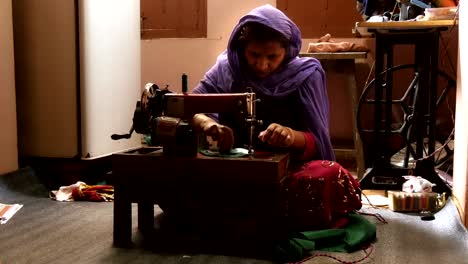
81,191
326,44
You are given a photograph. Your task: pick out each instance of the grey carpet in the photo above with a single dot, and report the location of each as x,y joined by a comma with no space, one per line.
406,239
46,231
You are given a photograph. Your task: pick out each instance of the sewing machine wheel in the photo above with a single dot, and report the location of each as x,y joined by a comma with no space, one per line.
401,142
152,100
147,95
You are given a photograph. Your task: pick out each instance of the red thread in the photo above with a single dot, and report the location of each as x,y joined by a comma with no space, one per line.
370,247
376,215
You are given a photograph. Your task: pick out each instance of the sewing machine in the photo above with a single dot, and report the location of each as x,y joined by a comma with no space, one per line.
410,9
166,117
177,170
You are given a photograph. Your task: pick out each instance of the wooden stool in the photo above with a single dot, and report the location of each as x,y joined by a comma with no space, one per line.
143,175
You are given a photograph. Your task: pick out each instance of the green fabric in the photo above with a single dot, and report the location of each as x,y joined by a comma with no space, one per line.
233,153
356,234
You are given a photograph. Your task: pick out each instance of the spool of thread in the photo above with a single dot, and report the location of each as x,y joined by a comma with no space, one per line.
184,83
413,202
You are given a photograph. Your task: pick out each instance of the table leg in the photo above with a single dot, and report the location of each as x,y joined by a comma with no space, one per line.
349,69
122,218
145,216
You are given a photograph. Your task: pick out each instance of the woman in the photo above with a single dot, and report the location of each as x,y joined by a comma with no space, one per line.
262,57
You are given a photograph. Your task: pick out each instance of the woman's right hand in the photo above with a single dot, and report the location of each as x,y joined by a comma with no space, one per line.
223,135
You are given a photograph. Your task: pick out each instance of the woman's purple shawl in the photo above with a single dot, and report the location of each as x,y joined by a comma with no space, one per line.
303,74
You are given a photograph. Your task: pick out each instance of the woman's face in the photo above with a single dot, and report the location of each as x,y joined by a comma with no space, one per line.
263,58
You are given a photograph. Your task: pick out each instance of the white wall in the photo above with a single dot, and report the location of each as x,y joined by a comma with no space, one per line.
110,74
460,171
8,138
165,60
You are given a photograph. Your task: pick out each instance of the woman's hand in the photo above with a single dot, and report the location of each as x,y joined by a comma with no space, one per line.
278,136
223,135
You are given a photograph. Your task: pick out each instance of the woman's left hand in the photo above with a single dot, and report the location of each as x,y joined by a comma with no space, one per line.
277,135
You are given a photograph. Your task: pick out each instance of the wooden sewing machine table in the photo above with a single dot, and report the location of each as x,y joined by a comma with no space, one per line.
140,175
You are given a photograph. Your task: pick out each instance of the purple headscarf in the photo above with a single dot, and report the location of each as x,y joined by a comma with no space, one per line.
302,75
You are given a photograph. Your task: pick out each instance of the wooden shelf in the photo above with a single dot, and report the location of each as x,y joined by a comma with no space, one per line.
335,55
396,25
